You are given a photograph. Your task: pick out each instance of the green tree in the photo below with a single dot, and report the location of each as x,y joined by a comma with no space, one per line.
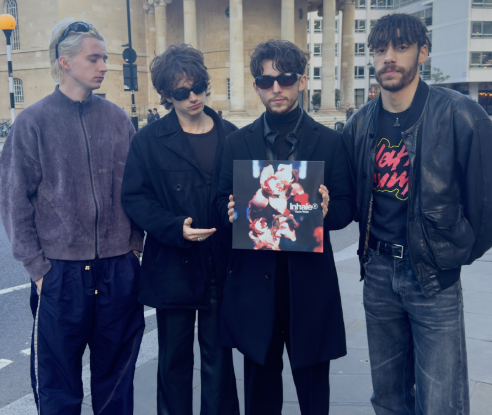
438,76
316,99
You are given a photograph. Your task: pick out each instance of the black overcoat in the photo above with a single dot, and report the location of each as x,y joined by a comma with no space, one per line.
162,186
317,332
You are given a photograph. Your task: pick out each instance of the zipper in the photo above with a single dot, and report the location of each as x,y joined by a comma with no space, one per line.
370,185
92,180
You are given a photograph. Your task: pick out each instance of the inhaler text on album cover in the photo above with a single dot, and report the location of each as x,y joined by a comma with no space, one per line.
278,205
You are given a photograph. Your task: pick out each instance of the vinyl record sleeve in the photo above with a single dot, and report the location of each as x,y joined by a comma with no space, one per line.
278,205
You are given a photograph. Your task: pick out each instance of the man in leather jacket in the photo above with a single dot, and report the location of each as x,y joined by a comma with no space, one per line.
421,162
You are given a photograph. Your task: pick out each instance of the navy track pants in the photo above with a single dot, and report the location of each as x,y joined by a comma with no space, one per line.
86,303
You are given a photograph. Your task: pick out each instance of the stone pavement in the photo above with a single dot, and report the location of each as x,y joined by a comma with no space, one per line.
350,377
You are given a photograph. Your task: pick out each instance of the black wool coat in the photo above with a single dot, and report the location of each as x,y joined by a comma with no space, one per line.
162,186
317,332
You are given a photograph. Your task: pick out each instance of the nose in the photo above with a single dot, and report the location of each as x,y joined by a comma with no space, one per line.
193,97
103,67
390,57
276,87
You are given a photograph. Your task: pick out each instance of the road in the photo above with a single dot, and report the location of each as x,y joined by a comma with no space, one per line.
16,318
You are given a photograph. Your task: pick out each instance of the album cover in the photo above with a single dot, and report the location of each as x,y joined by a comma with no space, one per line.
278,205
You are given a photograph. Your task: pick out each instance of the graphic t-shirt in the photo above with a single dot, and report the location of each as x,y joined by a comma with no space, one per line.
391,181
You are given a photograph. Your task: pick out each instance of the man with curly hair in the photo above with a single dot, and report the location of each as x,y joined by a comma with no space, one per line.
170,191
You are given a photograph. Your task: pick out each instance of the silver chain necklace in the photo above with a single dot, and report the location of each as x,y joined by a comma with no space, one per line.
204,123
397,123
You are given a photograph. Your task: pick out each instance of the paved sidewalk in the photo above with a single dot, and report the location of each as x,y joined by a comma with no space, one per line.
350,377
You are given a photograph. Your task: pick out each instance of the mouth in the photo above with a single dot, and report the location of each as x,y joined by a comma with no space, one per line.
100,79
278,100
196,106
390,72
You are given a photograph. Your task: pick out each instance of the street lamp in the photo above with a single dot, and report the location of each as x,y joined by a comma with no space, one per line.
7,24
369,66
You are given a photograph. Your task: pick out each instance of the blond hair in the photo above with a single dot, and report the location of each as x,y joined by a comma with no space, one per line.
70,46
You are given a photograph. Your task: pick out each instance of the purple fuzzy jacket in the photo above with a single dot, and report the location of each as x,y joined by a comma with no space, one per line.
60,182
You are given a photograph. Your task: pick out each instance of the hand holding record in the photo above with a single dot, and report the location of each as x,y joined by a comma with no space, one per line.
195,235
326,199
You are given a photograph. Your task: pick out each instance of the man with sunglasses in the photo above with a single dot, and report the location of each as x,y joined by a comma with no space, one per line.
60,180
276,298
170,191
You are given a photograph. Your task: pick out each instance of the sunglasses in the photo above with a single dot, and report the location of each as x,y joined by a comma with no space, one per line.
284,79
80,27
184,93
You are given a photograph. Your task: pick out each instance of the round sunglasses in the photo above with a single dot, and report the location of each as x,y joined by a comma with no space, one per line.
284,79
184,93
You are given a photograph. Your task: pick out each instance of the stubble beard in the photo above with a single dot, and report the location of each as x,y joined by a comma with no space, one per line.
407,76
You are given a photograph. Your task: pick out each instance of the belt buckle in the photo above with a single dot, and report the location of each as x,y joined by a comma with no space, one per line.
402,249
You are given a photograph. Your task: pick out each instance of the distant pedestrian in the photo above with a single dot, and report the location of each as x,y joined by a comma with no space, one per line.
349,112
150,116
423,180
60,181
219,113
156,114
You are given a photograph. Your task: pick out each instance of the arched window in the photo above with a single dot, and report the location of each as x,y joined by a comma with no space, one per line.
18,91
11,8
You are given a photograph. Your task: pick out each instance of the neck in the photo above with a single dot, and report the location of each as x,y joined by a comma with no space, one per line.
289,113
191,123
399,101
74,91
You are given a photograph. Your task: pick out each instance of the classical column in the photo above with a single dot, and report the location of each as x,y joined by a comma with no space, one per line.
160,25
287,31
150,30
190,33
348,54
236,56
328,57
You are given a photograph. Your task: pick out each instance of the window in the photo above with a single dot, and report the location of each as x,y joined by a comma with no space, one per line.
481,29
309,26
361,5
359,97
318,26
336,26
316,73
359,72
336,49
317,49
481,60
482,3
382,4
228,89
372,72
309,72
360,49
371,24
425,69
336,72
360,26
424,15
18,91
11,8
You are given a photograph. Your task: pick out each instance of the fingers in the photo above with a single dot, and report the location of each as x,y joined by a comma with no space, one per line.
230,206
326,199
188,222
198,235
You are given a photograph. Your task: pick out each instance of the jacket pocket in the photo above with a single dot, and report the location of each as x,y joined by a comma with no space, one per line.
449,237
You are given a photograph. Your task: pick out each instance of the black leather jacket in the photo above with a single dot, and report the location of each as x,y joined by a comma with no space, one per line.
449,142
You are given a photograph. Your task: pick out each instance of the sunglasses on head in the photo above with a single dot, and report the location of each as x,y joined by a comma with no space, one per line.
284,79
184,93
81,27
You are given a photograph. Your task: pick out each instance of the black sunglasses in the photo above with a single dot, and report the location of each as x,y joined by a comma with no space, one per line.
184,93
81,27
284,79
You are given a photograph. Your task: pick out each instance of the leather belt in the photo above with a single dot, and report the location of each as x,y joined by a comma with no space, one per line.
385,248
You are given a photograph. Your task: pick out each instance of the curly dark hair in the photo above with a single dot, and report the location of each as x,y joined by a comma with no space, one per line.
286,57
398,28
177,62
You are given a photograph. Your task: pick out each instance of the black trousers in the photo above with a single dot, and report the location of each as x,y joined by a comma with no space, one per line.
86,303
263,389
176,332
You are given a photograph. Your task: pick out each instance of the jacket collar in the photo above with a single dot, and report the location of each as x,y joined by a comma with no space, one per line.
67,103
414,114
308,138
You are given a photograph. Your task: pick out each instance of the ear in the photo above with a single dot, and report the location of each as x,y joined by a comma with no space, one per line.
63,61
302,83
257,90
423,54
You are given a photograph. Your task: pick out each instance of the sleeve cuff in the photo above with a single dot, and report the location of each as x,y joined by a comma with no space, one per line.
38,267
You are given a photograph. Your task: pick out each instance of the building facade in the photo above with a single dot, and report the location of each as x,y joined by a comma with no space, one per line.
226,31
461,35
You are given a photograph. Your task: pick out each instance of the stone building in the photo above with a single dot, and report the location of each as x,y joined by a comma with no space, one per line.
226,31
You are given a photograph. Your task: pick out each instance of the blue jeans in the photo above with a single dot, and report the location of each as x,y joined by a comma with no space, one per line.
416,344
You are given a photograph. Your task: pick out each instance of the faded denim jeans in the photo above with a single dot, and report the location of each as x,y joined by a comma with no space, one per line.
416,344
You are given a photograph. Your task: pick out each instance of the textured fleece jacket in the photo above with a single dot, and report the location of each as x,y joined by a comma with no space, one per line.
60,183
